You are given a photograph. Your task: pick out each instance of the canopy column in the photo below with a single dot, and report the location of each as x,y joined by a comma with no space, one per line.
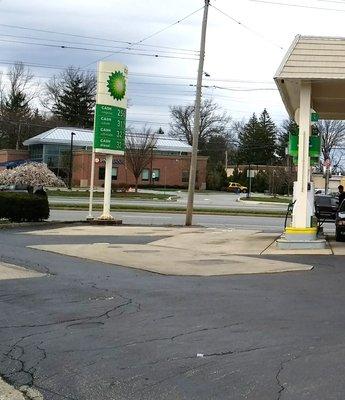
301,217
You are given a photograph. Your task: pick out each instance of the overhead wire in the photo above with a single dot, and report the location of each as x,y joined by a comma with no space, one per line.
96,50
109,47
332,1
140,74
151,35
297,5
247,27
91,37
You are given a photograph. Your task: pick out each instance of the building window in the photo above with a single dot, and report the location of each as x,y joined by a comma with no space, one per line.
156,175
145,175
185,176
101,173
114,174
36,152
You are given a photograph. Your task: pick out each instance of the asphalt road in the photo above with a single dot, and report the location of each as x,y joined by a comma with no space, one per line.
269,224
202,200
92,331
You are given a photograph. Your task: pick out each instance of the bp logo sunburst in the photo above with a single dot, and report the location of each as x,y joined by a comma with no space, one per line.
116,84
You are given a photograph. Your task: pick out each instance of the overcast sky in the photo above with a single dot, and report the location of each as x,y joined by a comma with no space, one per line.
238,56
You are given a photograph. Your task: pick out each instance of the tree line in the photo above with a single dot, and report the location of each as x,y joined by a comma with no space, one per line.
68,99
28,108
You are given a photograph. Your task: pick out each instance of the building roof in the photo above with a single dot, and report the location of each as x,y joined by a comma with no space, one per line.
320,60
314,57
84,138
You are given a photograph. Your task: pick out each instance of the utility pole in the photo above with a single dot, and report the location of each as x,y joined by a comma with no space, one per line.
196,127
70,163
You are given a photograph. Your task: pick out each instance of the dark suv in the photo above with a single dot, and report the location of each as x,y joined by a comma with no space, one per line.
340,223
326,207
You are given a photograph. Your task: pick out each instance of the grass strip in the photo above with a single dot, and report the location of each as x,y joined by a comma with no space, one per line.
115,195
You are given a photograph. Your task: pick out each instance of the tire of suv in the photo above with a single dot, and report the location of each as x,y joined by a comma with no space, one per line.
244,191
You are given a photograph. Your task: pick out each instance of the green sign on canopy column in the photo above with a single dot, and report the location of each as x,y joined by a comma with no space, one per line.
111,104
314,146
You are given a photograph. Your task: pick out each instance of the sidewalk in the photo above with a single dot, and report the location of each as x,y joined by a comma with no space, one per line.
176,251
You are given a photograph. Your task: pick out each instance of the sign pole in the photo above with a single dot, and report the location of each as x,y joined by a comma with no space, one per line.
92,180
110,122
107,188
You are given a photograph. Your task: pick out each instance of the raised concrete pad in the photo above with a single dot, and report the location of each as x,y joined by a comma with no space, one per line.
9,271
338,248
289,244
221,241
168,261
7,392
185,251
274,250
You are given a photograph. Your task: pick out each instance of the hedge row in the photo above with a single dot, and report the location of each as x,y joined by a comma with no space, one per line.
18,207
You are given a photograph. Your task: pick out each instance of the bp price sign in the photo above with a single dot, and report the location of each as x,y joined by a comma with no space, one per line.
111,105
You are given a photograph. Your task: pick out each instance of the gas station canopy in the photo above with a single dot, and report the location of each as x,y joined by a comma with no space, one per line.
320,61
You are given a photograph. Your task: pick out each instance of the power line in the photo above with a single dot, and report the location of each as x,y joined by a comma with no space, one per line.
236,89
139,74
332,1
169,26
90,37
151,35
95,50
298,5
54,123
109,47
247,27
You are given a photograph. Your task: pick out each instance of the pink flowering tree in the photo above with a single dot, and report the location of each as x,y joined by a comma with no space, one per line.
31,175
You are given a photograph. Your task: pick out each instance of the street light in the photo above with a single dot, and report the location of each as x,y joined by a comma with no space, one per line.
71,163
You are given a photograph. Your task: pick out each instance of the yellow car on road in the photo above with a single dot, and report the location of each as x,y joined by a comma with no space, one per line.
235,187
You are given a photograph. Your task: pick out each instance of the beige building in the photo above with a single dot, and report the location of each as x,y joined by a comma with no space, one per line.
334,182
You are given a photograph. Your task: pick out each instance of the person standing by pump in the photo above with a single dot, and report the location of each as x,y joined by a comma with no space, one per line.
341,195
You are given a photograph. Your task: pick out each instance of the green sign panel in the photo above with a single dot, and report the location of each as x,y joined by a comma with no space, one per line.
314,147
314,117
111,105
110,127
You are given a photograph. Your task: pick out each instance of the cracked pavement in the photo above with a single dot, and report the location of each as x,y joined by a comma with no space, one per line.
88,330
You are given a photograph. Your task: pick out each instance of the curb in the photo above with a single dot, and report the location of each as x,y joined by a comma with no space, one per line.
43,224
9,392
262,202
31,393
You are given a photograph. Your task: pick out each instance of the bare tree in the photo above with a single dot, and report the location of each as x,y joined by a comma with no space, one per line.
213,121
15,107
139,150
333,135
21,82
